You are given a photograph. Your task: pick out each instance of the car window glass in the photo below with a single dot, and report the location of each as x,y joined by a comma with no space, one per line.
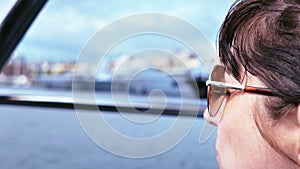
44,61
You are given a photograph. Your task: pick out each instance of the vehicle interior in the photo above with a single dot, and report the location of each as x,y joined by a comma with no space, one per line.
65,102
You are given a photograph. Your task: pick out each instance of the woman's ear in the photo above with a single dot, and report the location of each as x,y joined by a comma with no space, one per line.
298,123
290,129
298,114
297,133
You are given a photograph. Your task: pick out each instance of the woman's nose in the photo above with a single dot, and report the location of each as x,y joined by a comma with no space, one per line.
212,120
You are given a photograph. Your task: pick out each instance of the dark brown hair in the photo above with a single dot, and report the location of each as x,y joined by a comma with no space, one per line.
262,37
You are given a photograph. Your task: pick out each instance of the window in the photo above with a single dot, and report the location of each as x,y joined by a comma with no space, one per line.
148,75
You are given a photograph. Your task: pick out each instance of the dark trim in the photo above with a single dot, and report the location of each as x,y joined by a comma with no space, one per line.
15,25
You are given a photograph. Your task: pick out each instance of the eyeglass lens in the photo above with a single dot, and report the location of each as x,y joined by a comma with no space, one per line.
216,95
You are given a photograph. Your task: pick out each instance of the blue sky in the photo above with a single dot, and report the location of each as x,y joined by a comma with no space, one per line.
64,27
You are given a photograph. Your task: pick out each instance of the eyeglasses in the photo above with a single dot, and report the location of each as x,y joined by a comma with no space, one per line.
218,90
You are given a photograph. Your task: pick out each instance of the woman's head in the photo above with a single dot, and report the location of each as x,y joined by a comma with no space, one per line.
259,45
263,38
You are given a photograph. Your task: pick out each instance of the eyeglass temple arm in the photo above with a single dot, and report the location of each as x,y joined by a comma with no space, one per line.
250,89
225,85
258,90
